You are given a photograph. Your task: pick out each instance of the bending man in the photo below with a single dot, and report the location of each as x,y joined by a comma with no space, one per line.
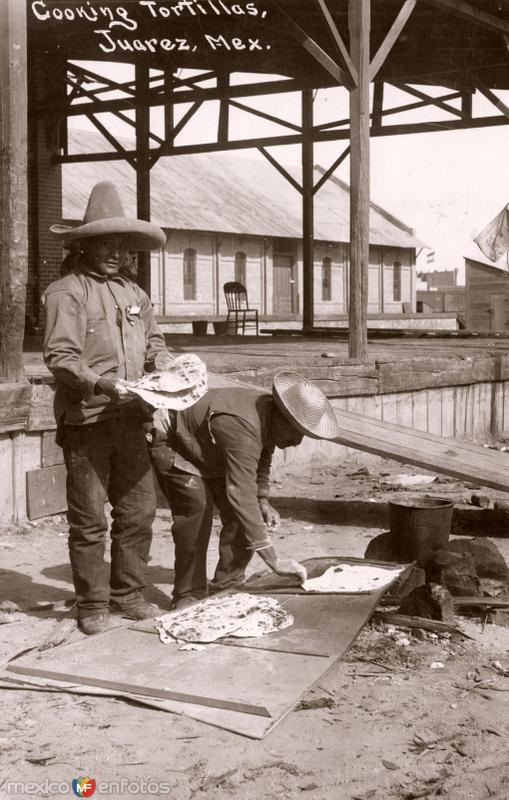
219,452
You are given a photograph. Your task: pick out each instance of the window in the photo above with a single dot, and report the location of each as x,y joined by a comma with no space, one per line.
396,281
326,278
189,274
240,267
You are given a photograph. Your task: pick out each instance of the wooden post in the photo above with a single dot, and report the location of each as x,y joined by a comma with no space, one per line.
13,188
359,24
143,165
308,289
169,108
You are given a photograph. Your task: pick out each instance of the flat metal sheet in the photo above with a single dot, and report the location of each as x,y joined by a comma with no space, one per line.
244,688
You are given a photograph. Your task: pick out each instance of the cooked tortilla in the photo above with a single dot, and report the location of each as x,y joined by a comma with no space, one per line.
176,387
238,615
352,578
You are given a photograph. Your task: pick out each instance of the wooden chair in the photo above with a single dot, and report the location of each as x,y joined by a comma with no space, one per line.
240,317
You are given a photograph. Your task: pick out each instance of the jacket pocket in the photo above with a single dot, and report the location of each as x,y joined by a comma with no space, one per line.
99,346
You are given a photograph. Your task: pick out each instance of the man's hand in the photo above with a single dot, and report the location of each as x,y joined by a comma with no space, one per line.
269,514
288,566
164,360
115,390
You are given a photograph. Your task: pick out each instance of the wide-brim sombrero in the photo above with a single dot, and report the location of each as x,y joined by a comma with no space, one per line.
304,405
105,216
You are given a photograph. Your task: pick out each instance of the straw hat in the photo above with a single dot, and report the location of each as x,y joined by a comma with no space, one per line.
305,405
104,216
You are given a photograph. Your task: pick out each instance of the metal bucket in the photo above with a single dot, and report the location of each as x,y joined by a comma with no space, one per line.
420,526
200,327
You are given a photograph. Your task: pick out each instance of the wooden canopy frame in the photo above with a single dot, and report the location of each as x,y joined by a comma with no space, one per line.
410,44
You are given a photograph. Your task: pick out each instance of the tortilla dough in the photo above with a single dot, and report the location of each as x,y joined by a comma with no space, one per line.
240,614
352,578
176,387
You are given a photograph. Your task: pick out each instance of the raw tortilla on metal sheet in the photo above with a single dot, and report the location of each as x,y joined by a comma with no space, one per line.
352,578
243,615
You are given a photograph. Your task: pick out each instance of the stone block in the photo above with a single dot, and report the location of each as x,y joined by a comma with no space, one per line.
489,561
455,571
430,601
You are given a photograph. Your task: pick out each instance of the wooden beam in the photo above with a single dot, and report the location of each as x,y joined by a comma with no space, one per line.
157,153
472,14
466,105
168,108
435,101
326,175
270,117
496,101
224,110
111,139
157,97
379,112
391,38
109,84
314,49
287,139
338,41
282,171
143,166
409,446
308,273
378,104
186,117
13,188
359,24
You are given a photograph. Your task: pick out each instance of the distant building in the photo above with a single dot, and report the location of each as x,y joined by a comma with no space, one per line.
230,218
440,278
487,293
438,293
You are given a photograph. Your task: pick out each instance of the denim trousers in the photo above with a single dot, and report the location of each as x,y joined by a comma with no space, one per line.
191,499
108,460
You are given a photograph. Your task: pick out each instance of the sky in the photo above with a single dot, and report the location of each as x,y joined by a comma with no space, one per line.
446,185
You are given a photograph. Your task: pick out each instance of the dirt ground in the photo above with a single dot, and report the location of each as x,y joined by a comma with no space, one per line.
402,717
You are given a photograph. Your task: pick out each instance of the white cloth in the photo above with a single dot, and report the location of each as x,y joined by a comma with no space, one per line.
494,239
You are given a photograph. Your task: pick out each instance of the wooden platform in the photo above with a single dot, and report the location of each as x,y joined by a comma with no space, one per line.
451,388
393,365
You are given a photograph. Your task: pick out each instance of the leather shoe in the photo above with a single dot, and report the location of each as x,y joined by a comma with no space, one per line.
139,610
95,623
184,602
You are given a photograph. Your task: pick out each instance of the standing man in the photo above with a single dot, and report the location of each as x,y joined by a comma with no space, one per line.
219,452
101,333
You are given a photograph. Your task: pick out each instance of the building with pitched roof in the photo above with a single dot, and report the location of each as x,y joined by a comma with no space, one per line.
231,218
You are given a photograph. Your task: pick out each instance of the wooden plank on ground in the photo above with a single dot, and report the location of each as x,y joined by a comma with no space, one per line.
46,491
448,456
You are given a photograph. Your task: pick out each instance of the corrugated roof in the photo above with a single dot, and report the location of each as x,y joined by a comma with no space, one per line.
225,194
